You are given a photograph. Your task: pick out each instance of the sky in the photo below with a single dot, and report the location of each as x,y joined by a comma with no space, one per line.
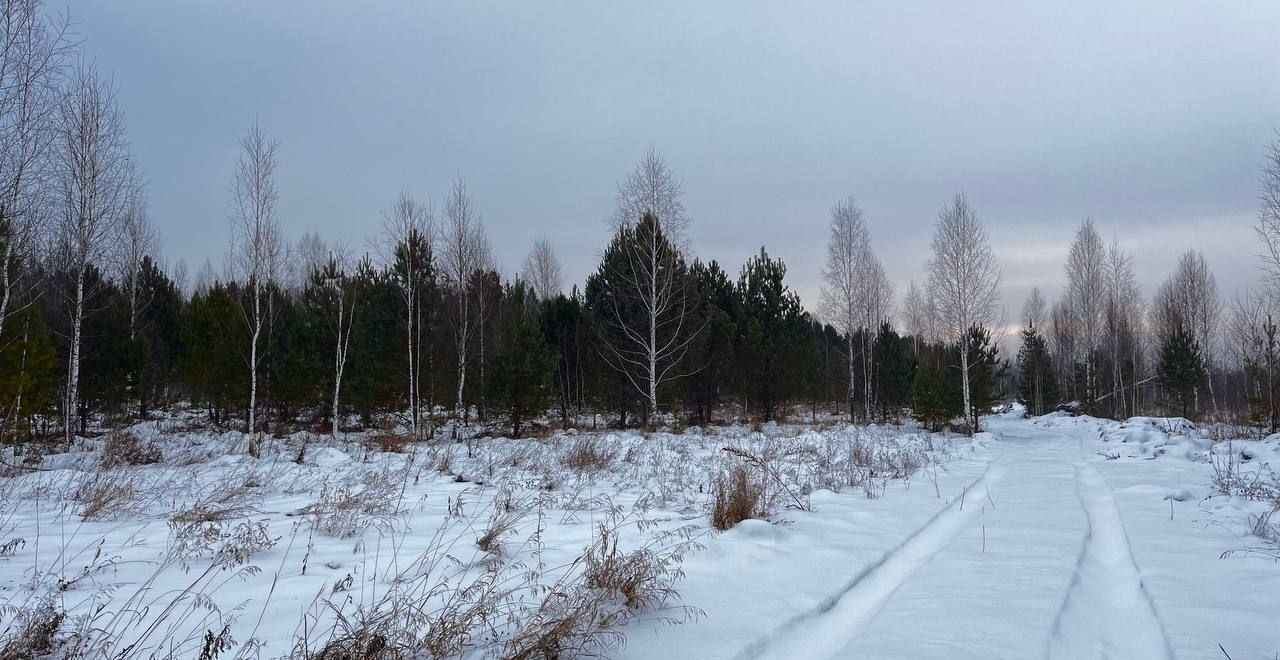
1150,117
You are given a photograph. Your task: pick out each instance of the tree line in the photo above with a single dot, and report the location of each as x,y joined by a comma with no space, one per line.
421,330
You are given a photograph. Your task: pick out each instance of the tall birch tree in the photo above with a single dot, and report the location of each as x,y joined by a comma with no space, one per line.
964,281
650,231
258,251
462,250
1086,295
33,55
542,270
408,235
95,186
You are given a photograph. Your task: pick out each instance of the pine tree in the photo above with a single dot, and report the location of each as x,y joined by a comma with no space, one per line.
986,372
771,343
709,360
1181,370
210,365
107,355
374,380
160,333
935,398
1037,389
520,382
28,372
895,371
564,329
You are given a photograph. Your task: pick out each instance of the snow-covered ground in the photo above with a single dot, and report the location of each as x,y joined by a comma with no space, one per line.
1058,537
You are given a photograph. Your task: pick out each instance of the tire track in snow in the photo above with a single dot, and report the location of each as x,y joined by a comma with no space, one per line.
827,629
1107,612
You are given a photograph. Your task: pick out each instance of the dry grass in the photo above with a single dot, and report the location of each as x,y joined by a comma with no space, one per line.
31,633
588,453
501,524
502,607
344,511
123,448
388,442
105,494
737,498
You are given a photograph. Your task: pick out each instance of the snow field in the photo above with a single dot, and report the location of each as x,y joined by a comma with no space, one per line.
322,545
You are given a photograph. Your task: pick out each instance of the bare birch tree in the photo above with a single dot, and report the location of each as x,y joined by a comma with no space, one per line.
408,235
650,226
915,315
1122,324
486,292
336,287
33,55
653,188
1086,294
95,185
1033,310
964,280
461,252
1062,342
310,255
857,294
848,249
258,251
1268,227
138,240
542,270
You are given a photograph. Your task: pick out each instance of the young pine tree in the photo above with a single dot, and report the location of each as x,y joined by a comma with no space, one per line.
1038,390
519,386
28,372
986,372
935,396
895,370
772,341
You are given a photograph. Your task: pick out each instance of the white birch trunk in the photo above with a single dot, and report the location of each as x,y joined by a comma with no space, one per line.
253,359
970,418
73,360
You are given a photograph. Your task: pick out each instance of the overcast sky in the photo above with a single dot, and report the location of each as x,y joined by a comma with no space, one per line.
1151,118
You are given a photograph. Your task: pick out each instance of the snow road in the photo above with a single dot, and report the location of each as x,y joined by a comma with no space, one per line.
1034,546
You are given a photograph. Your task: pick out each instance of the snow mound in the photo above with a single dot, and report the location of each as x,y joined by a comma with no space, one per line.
1153,437
327,457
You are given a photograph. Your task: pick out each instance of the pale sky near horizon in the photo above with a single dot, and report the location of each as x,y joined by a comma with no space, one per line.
1149,117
